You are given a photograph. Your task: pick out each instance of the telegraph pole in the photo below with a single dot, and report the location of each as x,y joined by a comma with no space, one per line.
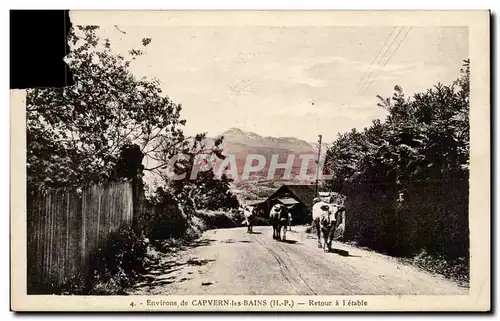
317,166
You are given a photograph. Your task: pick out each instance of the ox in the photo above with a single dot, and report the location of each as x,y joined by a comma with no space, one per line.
279,219
249,212
325,218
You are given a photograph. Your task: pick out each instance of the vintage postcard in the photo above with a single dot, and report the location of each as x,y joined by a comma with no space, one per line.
257,161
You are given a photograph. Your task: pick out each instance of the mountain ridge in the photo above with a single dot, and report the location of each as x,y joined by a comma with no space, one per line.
253,139
241,144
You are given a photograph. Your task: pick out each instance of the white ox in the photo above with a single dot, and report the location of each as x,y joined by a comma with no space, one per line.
249,213
326,216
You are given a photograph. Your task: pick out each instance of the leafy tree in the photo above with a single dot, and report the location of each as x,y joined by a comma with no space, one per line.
75,133
102,127
205,191
406,177
166,217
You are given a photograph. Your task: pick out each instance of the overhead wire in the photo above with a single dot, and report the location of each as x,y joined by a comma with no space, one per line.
363,78
387,61
366,74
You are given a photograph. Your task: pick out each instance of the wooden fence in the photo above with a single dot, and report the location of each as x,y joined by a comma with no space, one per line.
64,227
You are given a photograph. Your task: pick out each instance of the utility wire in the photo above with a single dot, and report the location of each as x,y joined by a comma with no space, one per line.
365,74
387,61
384,55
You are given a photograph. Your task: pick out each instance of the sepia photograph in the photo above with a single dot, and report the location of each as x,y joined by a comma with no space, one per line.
204,162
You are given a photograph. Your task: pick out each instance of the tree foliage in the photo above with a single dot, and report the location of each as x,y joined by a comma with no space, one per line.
74,133
407,178
95,130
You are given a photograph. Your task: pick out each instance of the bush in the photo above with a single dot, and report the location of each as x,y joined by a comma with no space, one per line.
120,260
167,218
111,268
196,227
406,178
225,219
220,219
457,269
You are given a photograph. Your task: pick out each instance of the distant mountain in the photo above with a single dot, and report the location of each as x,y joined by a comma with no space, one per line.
236,135
241,144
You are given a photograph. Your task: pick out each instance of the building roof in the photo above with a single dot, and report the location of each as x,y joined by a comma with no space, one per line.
287,201
255,202
304,193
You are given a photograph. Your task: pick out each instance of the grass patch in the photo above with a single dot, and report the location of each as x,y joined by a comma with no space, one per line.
457,270
112,267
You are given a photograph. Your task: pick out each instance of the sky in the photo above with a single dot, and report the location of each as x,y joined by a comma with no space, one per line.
290,81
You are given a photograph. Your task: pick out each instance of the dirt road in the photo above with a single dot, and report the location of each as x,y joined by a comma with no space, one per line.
230,261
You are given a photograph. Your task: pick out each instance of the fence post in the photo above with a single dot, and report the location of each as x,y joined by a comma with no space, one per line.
137,199
130,166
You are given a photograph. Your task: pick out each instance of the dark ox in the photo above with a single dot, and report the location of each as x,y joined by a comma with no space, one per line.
279,220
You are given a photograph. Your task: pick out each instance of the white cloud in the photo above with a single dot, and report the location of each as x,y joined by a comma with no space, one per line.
294,80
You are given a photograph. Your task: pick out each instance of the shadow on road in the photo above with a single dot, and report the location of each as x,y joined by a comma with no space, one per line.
254,232
197,262
289,241
160,273
198,243
230,241
342,253
168,248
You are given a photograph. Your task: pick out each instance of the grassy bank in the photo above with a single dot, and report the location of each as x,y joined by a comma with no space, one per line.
456,270
110,269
